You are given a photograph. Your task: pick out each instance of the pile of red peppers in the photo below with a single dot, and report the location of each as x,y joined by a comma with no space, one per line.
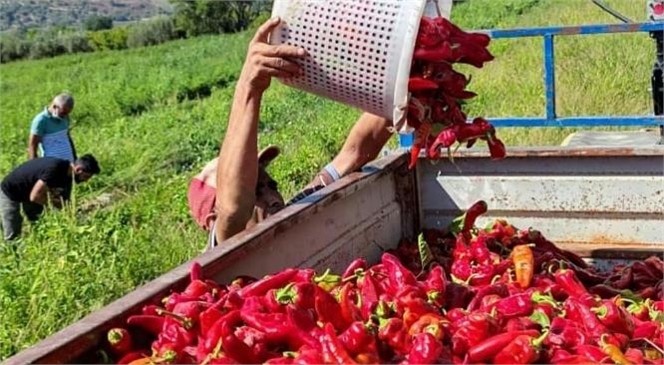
437,91
462,295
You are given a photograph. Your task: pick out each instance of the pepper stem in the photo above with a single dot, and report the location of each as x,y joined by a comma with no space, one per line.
537,343
186,322
601,311
286,294
538,297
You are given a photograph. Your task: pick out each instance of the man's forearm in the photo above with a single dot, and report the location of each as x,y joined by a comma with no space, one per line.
365,141
237,172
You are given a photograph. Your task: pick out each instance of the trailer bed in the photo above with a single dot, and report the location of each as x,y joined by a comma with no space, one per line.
603,203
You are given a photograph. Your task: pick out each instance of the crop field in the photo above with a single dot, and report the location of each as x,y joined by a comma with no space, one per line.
154,116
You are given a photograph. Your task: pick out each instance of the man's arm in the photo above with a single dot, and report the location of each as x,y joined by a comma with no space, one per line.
366,138
71,143
33,143
365,141
39,192
237,171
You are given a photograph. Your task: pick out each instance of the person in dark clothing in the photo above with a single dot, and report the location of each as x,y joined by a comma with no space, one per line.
37,182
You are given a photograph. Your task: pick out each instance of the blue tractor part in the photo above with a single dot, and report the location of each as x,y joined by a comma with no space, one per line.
655,27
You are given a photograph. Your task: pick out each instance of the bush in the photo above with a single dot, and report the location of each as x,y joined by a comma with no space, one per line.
151,32
97,22
104,40
75,43
13,47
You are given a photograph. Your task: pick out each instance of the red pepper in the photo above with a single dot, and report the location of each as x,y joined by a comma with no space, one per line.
176,298
523,349
429,34
300,294
490,347
456,314
328,309
262,286
399,276
333,350
435,285
421,136
413,301
646,330
349,311
357,339
499,289
521,324
439,53
460,35
394,333
567,279
615,318
471,330
196,288
581,313
369,294
591,352
635,355
233,347
425,350
416,83
152,324
477,209
566,334
119,340
196,271
352,269
497,149
488,302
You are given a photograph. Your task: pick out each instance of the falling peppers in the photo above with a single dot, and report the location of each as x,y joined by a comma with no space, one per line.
436,90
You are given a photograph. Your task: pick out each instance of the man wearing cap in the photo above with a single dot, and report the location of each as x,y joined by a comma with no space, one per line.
226,206
49,131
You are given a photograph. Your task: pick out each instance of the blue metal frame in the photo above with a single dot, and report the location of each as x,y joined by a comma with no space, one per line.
551,119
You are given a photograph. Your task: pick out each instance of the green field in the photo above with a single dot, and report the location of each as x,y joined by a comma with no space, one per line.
154,116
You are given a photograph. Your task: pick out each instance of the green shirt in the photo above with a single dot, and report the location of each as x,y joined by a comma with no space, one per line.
54,133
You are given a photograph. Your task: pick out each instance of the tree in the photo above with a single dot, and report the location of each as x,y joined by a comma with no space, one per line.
98,22
196,17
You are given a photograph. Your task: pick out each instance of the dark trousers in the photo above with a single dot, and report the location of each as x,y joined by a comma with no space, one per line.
12,221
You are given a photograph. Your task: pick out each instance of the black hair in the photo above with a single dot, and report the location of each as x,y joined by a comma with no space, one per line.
89,164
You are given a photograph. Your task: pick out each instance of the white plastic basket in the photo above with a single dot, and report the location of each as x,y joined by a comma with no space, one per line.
360,51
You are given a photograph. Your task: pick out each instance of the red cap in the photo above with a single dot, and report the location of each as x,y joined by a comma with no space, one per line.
203,188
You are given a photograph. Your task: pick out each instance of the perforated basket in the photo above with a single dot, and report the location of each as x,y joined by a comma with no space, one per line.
360,51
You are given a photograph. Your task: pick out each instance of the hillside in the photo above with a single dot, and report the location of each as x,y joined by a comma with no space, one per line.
154,116
40,13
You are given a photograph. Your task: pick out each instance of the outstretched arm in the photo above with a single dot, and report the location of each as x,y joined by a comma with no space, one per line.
363,144
237,171
365,141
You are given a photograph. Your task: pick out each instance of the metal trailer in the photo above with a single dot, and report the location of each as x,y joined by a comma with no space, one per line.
605,203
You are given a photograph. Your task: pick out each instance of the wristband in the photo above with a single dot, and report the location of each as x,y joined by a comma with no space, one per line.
332,171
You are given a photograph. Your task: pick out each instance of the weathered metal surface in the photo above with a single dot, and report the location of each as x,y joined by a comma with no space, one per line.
613,138
366,212
354,217
603,197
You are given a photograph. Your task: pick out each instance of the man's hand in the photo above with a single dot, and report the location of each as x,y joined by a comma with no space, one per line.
265,61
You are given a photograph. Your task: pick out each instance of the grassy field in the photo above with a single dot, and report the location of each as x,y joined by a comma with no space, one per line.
154,116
